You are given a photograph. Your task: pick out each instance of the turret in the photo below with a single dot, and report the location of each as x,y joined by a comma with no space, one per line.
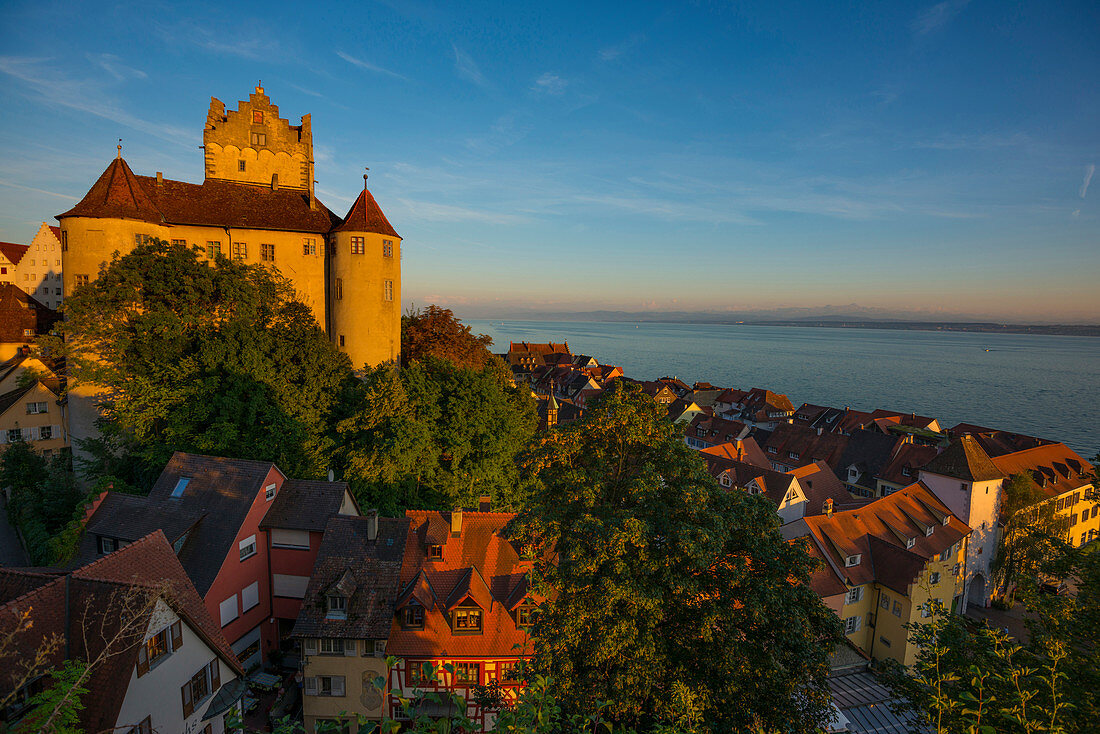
365,285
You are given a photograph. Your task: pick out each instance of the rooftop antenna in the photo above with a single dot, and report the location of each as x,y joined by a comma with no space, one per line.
119,154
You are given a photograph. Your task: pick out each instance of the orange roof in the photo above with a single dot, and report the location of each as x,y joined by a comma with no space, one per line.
1053,468
478,566
964,459
880,532
117,194
366,216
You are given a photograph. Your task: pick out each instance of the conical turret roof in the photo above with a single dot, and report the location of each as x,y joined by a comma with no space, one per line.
964,459
366,216
117,194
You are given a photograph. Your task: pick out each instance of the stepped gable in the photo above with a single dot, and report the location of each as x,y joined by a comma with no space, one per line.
366,216
964,459
14,252
117,194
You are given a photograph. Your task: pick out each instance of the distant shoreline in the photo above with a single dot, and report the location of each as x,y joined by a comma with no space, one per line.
981,327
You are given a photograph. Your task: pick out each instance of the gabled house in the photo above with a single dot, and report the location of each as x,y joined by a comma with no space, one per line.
211,510
683,411
463,599
708,430
865,456
765,409
528,355
904,466
823,490
681,388
783,490
894,557
33,413
159,662
790,446
345,620
743,449
22,320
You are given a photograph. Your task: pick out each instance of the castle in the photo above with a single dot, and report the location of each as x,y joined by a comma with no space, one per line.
256,204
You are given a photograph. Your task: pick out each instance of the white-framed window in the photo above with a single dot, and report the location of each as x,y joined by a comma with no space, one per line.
269,492
725,480
896,611
323,685
853,560
910,542
337,607
934,578
309,246
884,601
248,547
250,596
379,648
332,646
37,408
852,624
855,594
228,610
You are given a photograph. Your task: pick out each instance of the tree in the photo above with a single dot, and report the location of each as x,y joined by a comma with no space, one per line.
672,600
435,435
1031,533
43,500
211,357
435,332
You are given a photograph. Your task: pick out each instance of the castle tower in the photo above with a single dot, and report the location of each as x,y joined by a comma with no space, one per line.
365,285
253,145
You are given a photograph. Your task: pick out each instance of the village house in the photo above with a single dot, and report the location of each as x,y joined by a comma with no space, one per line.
707,430
865,456
248,552
161,663
463,600
782,490
743,449
904,466
887,564
345,620
22,320
527,355
790,446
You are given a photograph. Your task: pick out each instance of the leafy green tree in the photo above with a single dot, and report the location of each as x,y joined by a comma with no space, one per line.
435,332
673,601
1031,533
44,500
211,357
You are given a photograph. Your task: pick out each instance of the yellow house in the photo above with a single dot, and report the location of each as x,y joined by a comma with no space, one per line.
886,564
33,414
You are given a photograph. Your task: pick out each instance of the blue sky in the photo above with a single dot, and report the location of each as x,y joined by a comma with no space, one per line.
933,158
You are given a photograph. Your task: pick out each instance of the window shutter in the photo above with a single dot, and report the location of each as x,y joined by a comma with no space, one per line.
143,661
311,646
188,704
349,648
310,686
338,685
33,431
215,676
177,635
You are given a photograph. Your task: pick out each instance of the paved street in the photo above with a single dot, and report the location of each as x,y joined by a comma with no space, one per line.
1013,619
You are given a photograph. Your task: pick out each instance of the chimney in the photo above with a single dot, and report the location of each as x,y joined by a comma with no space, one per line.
160,178
456,521
484,503
372,524
331,475
829,507
274,182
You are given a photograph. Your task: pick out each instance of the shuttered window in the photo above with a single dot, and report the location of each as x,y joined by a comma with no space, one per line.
293,587
250,596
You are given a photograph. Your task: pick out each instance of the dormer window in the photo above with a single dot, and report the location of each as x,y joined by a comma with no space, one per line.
435,552
524,616
906,471
413,617
853,560
467,621
771,449
929,530
725,480
910,542
337,607
792,454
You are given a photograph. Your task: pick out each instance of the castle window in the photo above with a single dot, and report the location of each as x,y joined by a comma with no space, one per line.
387,248
240,165
257,117
81,280
180,242
213,249
267,253
259,138
358,246
341,341
339,289
64,240
309,246
240,250
387,294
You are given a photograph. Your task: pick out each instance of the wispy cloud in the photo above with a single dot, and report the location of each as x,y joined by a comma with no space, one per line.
1089,170
610,53
436,212
550,84
467,68
262,43
87,95
114,66
370,67
937,16
506,130
37,191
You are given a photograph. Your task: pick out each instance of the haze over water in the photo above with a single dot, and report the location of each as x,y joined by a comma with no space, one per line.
1046,386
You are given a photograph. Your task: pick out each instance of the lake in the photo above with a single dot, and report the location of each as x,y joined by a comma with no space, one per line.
1046,386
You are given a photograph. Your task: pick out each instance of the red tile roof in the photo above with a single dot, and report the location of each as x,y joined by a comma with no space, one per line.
1053,469
806,443
819,483
478,564
964,459
89,599
20,312
909,457
366,216
745,449
13,252
120,194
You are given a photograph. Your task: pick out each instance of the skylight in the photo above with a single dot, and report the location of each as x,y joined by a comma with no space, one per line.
180,486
